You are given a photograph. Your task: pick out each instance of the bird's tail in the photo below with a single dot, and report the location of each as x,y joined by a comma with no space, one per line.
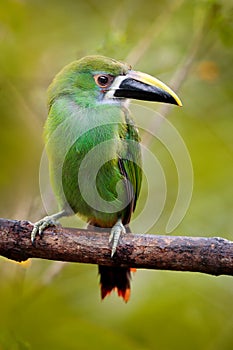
115,278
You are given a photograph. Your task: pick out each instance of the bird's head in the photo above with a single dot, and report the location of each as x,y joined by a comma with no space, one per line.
95,80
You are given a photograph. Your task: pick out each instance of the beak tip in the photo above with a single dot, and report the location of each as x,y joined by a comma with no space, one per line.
176,100
173,99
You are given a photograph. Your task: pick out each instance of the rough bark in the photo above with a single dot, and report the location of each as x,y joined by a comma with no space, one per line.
181,253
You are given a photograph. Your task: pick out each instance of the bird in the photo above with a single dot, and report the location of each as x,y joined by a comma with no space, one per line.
94,152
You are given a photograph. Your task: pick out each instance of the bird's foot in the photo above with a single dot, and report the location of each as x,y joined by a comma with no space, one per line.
41,225
114,237
47,221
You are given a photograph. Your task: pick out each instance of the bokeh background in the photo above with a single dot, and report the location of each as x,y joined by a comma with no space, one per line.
52,305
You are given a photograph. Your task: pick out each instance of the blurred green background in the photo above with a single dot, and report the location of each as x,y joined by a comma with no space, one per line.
52,305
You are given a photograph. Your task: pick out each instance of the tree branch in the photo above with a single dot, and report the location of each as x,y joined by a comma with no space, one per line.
198,254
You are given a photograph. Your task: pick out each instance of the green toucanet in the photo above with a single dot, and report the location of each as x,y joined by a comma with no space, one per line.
94,151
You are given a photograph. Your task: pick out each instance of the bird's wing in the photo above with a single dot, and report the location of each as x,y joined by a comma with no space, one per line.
130,167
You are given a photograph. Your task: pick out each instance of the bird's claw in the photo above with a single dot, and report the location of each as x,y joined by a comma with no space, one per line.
114,237
41,225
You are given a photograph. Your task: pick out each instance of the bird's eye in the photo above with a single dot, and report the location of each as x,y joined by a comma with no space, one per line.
103,80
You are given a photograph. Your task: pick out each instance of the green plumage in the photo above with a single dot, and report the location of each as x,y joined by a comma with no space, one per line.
94,151
79,122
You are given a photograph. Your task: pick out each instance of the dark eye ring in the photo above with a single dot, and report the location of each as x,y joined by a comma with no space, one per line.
103,80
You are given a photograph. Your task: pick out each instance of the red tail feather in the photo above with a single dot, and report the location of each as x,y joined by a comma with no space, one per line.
115,278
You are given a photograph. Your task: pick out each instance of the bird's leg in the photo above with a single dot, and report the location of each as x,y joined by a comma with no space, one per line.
47,221
116,231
